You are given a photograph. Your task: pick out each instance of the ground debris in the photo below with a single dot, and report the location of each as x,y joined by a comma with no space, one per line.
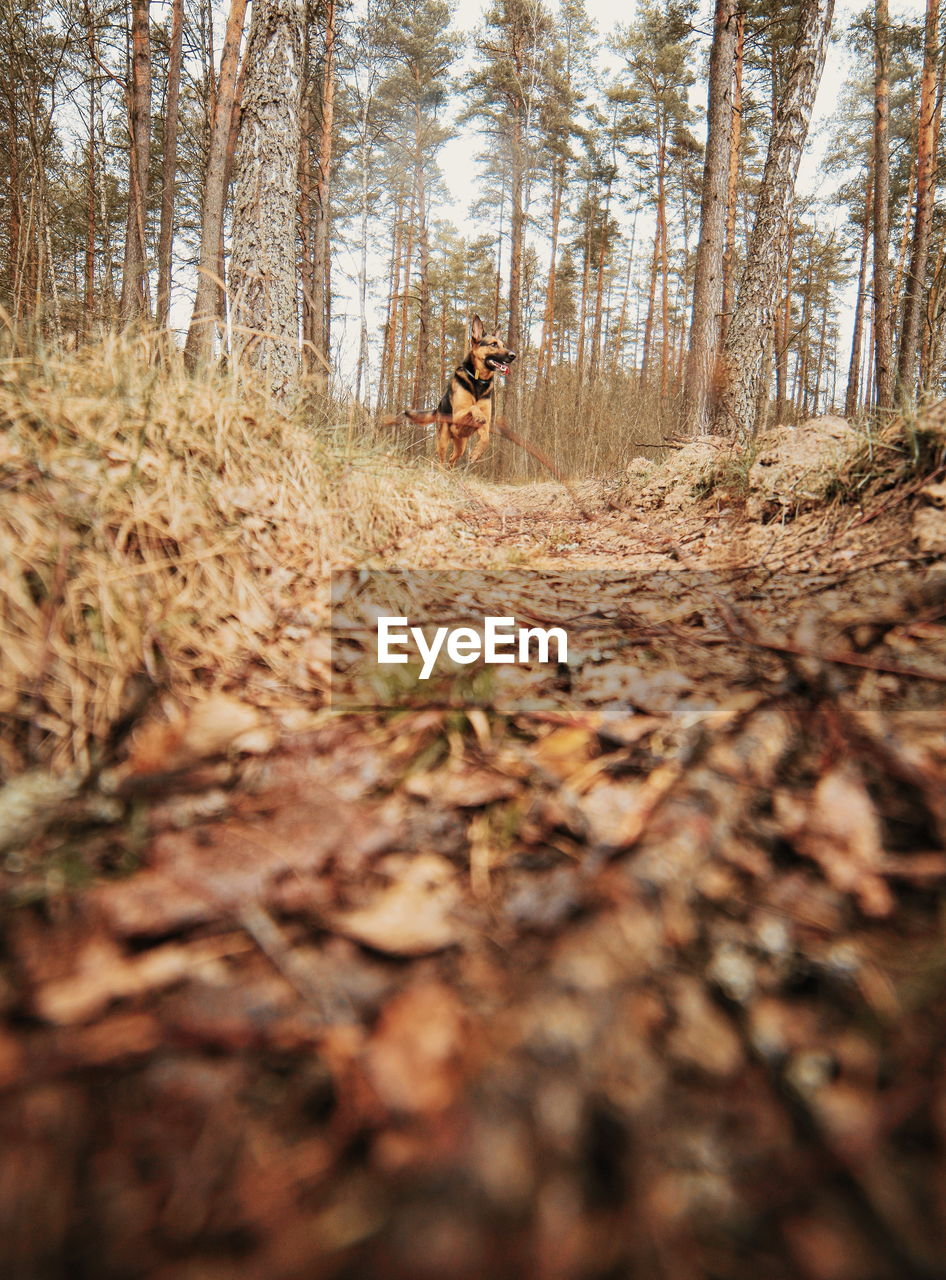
644,978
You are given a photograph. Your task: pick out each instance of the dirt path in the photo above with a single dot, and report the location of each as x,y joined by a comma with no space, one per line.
649,981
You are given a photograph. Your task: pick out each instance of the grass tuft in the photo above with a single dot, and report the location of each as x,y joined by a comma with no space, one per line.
161,529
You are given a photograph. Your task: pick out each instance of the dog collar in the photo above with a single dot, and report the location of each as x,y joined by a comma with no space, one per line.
479,386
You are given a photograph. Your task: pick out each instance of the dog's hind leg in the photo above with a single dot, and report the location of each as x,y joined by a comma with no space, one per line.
443,441
459,448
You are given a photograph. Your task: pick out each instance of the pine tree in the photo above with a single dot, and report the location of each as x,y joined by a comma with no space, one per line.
750,331
263,270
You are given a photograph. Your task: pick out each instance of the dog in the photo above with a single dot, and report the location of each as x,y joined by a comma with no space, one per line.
466,409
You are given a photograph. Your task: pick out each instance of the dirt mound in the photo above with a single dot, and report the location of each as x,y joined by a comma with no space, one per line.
796,468
674,483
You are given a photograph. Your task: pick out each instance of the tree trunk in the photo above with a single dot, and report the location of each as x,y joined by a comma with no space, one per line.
595,361
89,298
169,165
883,323
548,317
925,180
386,376
321,246
664,266
306,256
422,364
263,263
200,335
783,328
735,138
895,293
710,254
651,303
516,245
750,331
404,301
854,370
136,296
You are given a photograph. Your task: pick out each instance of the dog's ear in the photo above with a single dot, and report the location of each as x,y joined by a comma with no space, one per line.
476,329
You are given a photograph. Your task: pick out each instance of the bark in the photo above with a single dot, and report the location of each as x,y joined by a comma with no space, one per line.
169,165
321,246
714,204
136,295
925,179
14,215
386,377
595,361
306,258
421,368
895,293
263,263
91,180
404,299
200,335
651,303
548,316
516,245
583,302
883,323
783,328
854,370
735,138
750,332
664,269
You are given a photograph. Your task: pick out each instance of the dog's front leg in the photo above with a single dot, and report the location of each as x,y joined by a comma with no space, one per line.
482,441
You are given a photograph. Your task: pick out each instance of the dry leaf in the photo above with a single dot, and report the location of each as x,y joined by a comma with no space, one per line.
413,1059
463,787
208,729
410,918
842,834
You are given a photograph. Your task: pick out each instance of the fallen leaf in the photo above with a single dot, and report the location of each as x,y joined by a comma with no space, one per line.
564,751
410,918
414,1057
841,832
208,729
460,787
103,973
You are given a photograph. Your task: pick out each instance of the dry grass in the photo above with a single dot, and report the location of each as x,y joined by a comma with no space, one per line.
160,530
589,428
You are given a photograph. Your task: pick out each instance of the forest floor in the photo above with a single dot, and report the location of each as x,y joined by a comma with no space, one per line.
643,975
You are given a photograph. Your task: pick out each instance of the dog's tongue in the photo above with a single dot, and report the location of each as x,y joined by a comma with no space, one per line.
502,368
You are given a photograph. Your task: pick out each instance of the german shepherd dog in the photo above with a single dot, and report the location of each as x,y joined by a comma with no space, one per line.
467,406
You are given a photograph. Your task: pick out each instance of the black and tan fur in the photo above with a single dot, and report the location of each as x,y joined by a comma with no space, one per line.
466,409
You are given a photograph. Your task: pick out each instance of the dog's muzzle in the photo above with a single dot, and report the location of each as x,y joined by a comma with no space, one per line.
501,363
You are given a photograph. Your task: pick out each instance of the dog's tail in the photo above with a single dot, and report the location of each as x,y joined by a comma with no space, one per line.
424,417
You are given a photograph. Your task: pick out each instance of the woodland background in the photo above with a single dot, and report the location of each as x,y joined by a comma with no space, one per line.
122,123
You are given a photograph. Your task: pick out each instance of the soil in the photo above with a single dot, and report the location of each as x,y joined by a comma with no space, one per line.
643,977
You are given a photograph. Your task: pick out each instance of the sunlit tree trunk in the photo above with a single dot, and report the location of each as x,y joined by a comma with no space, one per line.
200,335
735,139
169,164
710,254
750,332
263,263
883,323
136,295
321,244
857,340
925,179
